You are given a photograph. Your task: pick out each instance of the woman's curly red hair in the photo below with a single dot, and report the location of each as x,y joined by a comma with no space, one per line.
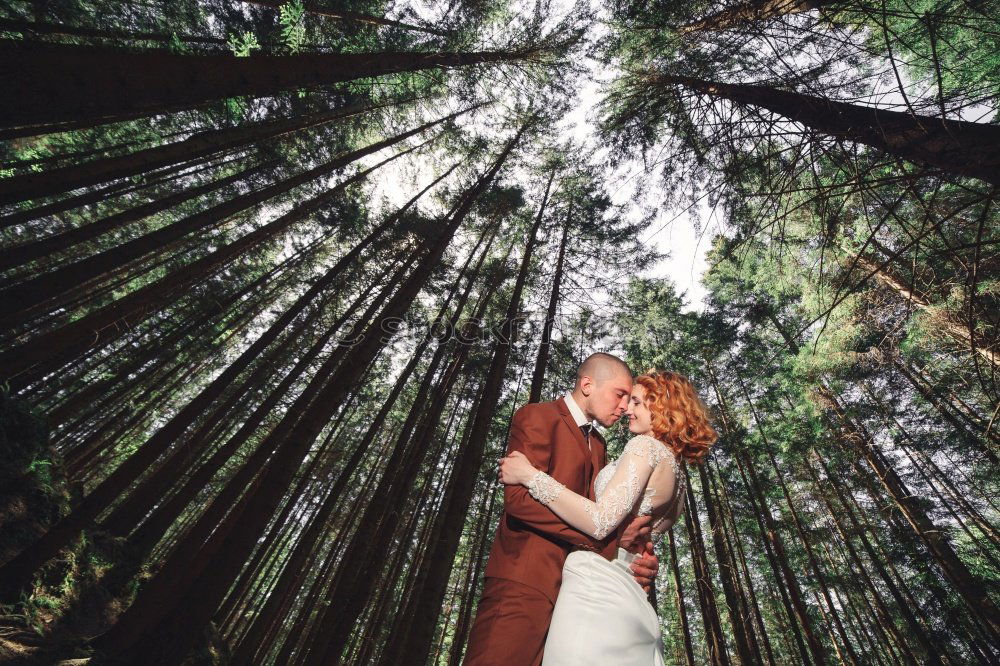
678,416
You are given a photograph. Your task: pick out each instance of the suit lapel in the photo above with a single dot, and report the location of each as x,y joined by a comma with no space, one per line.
577,434
599,451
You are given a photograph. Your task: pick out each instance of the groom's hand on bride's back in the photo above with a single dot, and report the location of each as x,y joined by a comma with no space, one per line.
635,539
636,534
645,567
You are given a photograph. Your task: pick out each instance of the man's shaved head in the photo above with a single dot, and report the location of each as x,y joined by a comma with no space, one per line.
601,367
603,384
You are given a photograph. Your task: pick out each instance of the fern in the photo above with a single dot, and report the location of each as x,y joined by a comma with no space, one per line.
243,45
293,30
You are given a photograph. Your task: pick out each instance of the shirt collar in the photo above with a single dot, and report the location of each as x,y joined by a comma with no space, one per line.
575,411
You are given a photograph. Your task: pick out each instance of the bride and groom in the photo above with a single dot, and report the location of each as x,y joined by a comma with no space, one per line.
572,558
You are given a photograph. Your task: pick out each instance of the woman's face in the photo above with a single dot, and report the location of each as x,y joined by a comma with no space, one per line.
639,419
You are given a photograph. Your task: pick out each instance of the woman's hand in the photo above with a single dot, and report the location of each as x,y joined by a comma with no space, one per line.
516,469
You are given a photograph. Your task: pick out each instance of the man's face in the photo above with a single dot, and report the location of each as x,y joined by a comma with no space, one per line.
609,399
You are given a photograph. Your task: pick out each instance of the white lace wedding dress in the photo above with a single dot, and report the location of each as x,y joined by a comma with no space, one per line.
601,615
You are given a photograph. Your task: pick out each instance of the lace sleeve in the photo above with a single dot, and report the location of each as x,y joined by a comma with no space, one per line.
600,518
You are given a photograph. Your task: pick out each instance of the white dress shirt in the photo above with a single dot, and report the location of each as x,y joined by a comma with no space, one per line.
576,412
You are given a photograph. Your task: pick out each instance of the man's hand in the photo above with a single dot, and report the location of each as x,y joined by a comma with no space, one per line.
636,534
645,568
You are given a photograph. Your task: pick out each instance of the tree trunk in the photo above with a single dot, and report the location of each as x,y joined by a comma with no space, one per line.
703,580
79,335
100,85
916,630
172,637
752,602
542,361
944,321
17,571
39,28
416,643
954,146
971,589
27,252
739,15
22,296
268,614
207,539
679,598
778,556
727,573
114,190
464,625
332,12
203,144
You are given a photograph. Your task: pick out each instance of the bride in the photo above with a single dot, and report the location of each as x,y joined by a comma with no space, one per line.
601,615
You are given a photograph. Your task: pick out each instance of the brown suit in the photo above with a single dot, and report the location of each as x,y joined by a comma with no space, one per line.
531,543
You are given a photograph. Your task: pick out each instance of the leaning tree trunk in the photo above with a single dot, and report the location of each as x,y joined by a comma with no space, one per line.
542,361
333,12
727,573
17,571
40,28
740,15
249,646
146,495
113,321
352,586
918,631
972,590
27,252
953,146
203,144
944,322
61,83
16,301
153,613
416,643
114,190
703,581
679,598
173,635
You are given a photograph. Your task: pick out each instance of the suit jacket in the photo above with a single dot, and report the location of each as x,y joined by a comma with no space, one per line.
531,542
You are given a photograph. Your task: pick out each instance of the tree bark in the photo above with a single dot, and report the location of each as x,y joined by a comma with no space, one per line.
39,28
322,10
416,643
953,146
703,580
52,348
17,571
19,298
679,599
203,144
172,637
969,587
741,14
945,321
99,85
27,252
542,360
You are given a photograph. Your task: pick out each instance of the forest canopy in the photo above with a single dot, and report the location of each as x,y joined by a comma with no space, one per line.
275,275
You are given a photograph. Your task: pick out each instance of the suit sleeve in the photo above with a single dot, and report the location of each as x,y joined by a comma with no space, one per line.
529,439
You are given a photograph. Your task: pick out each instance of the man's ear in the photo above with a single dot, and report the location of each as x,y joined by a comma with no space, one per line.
586,385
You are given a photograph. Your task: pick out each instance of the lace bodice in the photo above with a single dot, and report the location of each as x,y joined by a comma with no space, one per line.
618,488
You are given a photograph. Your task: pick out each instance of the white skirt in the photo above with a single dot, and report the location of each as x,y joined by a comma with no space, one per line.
601,616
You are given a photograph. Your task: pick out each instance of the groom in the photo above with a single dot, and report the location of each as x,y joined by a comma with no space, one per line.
531,543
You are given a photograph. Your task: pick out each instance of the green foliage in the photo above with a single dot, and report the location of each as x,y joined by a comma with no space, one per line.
293,30
243,44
